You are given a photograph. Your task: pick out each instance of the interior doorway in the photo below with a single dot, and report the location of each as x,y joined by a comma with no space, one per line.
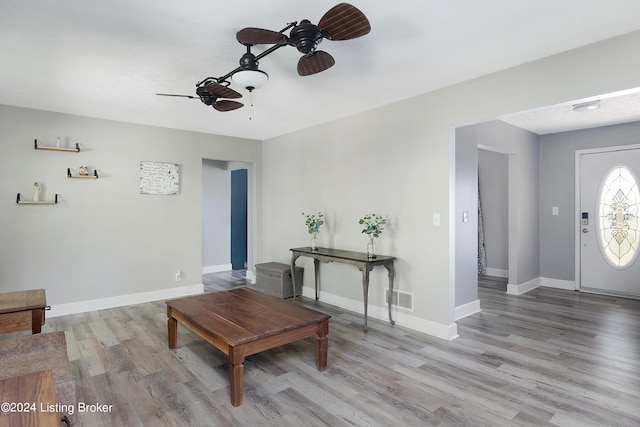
239,192
228,203
493,212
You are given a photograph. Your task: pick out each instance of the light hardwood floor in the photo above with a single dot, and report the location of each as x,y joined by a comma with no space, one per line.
549,357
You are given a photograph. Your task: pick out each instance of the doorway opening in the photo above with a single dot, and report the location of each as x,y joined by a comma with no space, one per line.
227,215
239,219
493,212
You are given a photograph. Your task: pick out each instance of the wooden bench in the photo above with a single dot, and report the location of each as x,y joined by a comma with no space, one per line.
22,311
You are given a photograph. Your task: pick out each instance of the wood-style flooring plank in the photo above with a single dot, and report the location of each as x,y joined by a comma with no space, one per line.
549,357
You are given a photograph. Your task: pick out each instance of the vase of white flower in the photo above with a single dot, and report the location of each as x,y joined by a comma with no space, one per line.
373,228
313,223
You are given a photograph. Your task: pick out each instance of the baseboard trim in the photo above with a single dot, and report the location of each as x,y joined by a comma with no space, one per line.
216,268
122,300
438,330
523,288
468,309
497,272
250,276
568,285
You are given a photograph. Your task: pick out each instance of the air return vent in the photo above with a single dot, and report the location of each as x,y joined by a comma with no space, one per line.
401,299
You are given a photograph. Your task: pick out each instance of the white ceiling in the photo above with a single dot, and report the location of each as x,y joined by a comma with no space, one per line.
108,58
614,109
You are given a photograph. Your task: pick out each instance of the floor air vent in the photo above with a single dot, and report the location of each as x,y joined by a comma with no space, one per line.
401,299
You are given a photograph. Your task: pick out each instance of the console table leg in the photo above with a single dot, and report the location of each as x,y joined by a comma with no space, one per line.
316,270
236,374
365,289
392,274
293,275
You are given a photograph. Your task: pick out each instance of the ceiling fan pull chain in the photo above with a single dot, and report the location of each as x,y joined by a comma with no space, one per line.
250,105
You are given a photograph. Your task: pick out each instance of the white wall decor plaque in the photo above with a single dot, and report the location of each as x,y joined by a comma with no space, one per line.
159,178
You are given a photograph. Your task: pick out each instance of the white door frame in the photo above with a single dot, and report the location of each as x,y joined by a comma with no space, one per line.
579,153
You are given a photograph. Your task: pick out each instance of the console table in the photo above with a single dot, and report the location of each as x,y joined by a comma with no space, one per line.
358,259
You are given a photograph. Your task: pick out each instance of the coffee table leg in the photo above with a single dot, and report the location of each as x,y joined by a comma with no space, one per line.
36,320
172,328
322,344
236,374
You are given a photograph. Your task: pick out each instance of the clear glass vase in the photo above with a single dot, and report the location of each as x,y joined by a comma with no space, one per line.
314,241
371,247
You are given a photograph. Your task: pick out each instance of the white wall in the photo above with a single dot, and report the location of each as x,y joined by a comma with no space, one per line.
104,239
398,161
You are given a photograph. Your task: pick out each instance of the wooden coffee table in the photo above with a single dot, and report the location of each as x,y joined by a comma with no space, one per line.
22,311
242,322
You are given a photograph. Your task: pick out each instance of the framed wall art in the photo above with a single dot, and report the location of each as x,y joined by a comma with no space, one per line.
159,178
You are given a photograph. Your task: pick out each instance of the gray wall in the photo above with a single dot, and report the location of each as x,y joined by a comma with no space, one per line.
466,242
216,213
557,188
104,239
399,160
523,200
493,173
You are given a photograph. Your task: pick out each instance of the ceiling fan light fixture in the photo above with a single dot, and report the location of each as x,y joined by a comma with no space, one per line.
587,106
250,79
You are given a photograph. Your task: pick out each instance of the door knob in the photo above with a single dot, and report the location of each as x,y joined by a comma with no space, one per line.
585,230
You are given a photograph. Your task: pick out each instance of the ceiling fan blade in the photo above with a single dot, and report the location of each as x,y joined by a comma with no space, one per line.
225,105
344,22
181,96
221,91
251,36
315,63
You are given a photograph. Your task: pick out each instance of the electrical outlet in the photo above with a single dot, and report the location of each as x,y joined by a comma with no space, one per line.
178,276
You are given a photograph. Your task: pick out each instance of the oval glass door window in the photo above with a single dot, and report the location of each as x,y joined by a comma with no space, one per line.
618,217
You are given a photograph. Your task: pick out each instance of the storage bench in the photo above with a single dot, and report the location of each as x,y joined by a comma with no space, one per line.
274,278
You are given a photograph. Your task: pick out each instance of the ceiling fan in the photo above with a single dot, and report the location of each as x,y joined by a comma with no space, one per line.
341,22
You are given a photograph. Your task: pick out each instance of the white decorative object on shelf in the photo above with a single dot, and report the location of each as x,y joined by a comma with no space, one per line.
83,172
36,191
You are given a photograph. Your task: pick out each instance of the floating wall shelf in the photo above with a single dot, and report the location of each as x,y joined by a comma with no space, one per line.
39,202
94,176
45,147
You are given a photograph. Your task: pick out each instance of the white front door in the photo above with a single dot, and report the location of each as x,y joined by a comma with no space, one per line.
610,222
